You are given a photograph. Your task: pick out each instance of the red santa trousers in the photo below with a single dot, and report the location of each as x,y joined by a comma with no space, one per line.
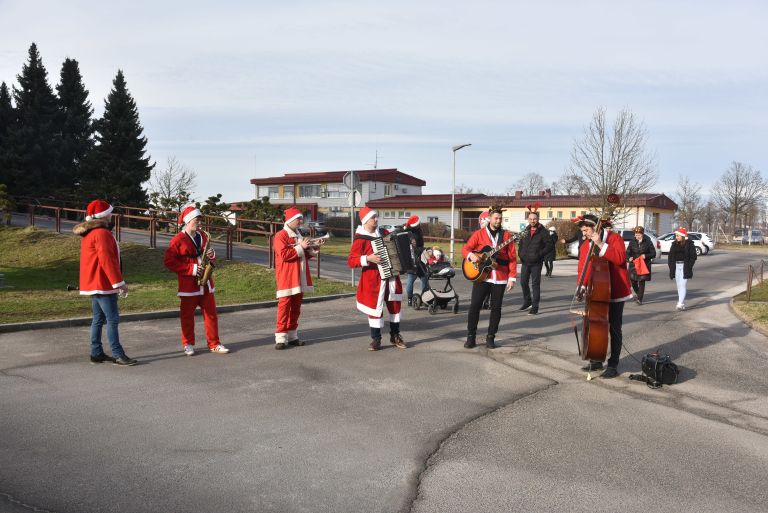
207,304
288,311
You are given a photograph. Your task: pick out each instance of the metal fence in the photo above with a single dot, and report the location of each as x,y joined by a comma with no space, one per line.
754,271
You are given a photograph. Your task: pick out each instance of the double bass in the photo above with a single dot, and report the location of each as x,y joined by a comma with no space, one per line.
596,295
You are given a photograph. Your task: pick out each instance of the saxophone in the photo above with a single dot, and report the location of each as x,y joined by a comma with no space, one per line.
206,262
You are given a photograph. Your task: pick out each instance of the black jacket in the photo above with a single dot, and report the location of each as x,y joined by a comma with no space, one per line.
552,252
634,250
533,250
686,253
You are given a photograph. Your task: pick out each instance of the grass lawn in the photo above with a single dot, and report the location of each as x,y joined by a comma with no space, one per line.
38,265
757,309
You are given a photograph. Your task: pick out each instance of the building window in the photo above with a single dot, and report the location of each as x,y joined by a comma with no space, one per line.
387,189
388,214
573,214
288,192
405,191
583,212
559,214
372,186
433,220
335,190
309,191
273,192
549,214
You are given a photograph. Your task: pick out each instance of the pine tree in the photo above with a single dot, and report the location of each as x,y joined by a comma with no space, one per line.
116,167
35,142
76,126
7,123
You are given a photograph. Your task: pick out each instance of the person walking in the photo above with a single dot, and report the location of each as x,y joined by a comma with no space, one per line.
102,279
535,245
416,237
682,256
640,248
549,261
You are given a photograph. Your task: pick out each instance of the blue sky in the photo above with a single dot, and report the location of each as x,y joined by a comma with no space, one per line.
242,89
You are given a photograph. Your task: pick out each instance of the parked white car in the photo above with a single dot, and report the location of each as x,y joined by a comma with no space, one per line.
573,248
702,248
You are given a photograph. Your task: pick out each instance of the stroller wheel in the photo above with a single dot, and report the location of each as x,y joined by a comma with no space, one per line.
433,309
417,302
443,306
456,307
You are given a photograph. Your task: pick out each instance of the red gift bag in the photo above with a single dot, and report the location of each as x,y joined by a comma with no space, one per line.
640,268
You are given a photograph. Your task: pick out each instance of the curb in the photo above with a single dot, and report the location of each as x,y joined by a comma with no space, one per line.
161,314
745,319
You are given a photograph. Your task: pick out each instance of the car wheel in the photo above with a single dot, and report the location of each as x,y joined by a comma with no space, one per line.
698,251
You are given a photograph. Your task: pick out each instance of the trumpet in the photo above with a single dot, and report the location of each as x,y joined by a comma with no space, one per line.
206,264
319,241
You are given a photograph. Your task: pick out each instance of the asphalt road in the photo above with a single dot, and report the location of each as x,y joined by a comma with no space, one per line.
434,428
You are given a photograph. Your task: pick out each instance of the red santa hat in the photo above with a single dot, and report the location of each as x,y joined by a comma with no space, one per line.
291,214
97,209
484,218
682,232
412,222
367,213
188,214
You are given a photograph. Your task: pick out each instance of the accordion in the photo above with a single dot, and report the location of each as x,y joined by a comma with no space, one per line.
396,252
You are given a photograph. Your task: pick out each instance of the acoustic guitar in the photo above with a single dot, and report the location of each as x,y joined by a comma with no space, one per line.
486,262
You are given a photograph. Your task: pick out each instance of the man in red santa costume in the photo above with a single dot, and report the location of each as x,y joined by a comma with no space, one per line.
373,292
293,277
184,257
101,278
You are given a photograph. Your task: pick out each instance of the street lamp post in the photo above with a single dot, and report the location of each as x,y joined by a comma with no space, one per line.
453,194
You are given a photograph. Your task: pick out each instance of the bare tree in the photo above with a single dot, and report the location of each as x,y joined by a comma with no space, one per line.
531,184
613,160
739,191
570,184
689,201
172,187
464,189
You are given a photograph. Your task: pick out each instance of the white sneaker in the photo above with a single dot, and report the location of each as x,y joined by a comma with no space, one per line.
189,350
680,307
220,349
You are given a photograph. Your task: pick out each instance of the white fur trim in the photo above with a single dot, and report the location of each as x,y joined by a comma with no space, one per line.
681,234
603,249
368,216
621,299
100,215
117,285
289,292
281,338
363,261
195,213
376,322
294,217
93,292
394,317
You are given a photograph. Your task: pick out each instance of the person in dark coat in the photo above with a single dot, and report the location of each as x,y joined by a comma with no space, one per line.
549,261
641,247
417,241
682,256
535,245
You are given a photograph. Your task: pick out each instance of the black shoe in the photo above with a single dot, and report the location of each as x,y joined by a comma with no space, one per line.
609,372
525,306
125,361
489,341
296,342
375,344
279,346
593,366
487,305
410,301
102,358
470,343
534,311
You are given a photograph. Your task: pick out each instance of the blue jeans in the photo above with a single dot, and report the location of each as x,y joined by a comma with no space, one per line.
105,309
411,280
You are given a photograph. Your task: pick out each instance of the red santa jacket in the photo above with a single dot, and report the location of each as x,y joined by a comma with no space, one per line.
182,258
371,288
292,272
99,259
613,250
506,258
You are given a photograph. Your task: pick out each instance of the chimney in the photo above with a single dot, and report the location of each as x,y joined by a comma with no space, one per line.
518,194
542,193
548,193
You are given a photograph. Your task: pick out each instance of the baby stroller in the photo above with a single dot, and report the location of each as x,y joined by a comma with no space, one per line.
436,298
